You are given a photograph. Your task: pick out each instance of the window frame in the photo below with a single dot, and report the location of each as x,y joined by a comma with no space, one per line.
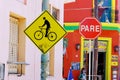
21,44
56,13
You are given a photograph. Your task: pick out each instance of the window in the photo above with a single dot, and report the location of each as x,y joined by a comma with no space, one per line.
16,44
105,10
13,44
51,62
55,13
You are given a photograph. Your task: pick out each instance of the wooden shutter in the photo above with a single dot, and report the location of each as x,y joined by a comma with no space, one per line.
13,45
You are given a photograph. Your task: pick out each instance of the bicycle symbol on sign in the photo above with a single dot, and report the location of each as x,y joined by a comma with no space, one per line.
38,35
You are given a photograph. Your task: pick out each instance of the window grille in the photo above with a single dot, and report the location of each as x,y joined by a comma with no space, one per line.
13,45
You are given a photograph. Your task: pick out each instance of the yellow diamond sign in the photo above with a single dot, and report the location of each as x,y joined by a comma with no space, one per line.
45,31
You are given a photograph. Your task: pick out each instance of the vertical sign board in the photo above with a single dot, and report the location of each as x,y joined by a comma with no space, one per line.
45,31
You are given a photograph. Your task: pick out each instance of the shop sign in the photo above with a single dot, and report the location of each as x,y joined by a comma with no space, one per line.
114,63
101,48
114,60
75,65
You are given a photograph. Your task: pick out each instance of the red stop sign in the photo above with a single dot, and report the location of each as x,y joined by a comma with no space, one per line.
90,28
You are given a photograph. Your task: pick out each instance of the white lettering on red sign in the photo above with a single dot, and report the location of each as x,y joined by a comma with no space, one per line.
90,28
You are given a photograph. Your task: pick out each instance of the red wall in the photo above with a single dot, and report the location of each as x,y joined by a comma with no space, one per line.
74,38
77,11
115,38
72,55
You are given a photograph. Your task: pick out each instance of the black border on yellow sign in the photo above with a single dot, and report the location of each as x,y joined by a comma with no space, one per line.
55,21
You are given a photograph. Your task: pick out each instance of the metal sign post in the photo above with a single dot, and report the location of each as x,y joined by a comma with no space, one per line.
89,59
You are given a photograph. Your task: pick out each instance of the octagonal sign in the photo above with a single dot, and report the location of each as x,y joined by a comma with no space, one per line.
90,28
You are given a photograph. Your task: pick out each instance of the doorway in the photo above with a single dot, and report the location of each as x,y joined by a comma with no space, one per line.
101,64
107,51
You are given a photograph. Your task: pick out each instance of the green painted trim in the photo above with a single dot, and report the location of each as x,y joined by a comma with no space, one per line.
110,28
105,26
71,27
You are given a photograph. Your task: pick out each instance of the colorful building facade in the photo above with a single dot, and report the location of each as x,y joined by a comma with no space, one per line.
108,41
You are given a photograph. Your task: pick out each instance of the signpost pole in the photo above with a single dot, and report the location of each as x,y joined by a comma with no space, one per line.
89,59
95,42
92,63
44,57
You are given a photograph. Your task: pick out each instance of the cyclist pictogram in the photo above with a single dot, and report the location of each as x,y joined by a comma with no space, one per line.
39,34
47,23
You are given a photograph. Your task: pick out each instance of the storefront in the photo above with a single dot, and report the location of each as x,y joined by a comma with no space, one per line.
108,50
